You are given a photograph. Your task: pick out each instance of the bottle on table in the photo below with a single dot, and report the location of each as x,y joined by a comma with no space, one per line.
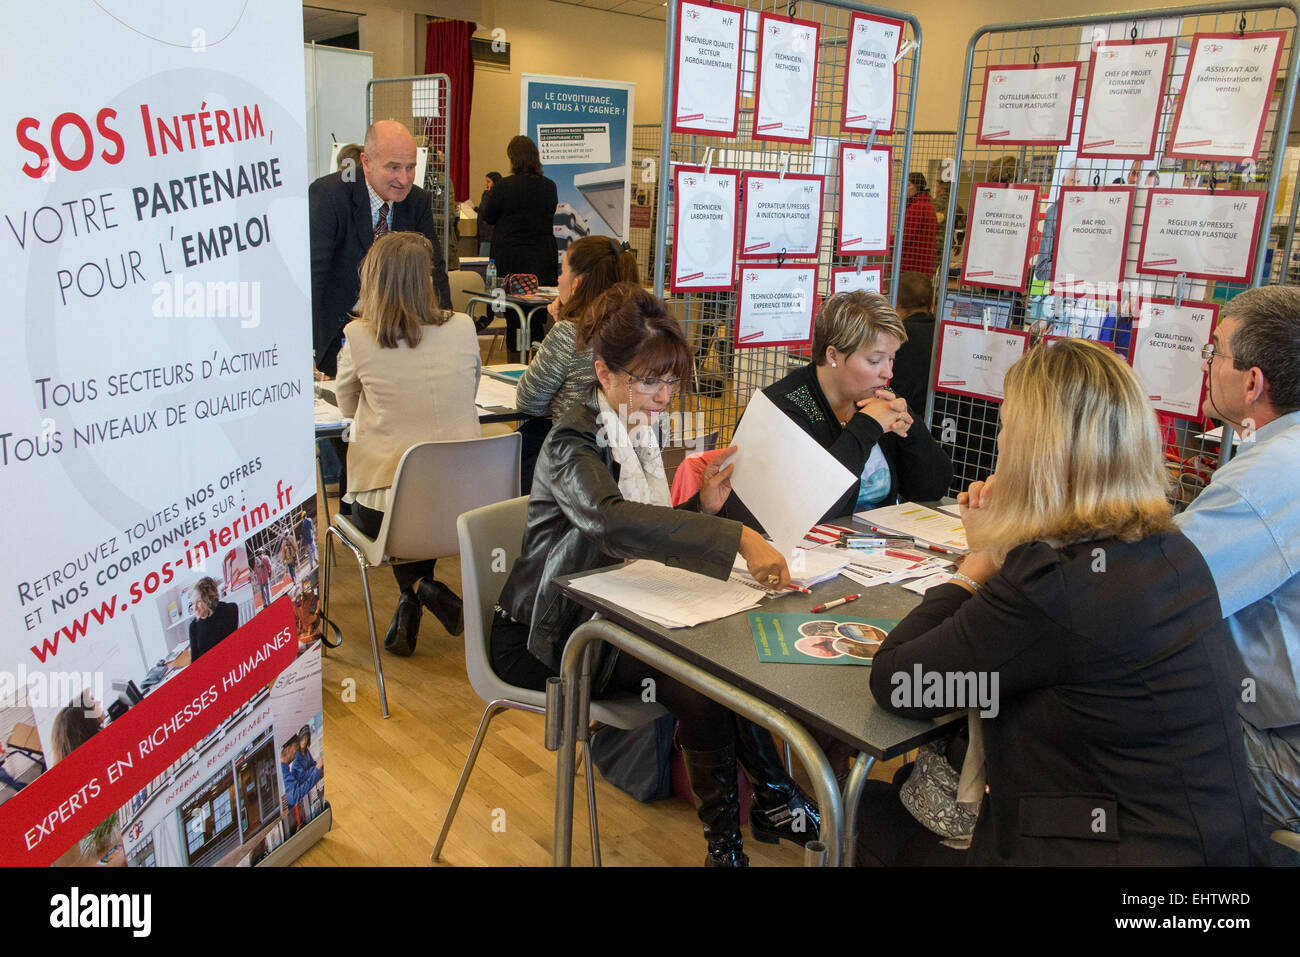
491,274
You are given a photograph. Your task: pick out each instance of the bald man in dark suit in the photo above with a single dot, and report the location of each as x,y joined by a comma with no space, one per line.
347,212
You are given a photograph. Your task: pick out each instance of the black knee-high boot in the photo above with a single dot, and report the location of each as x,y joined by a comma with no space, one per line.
780,808
713,779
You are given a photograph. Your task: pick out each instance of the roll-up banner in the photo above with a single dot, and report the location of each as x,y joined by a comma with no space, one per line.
160,696
583,131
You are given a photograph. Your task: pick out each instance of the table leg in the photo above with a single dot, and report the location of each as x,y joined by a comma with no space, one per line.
575,674
577,656
852,798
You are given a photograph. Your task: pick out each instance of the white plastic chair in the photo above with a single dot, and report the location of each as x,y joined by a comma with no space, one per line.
435,482
487,536
464,283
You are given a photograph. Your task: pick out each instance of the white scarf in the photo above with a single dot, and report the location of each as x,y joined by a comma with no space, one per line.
641,475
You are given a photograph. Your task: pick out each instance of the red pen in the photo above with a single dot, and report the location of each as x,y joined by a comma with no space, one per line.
800,589
836,603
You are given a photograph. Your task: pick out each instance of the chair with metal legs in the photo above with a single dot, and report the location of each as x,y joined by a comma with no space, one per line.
490,541
435,482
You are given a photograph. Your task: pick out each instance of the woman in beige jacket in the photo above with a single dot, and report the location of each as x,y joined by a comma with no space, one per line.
408,373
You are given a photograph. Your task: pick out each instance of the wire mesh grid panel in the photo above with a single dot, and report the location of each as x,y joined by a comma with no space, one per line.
725,376
645,198
1284,267
1122,309
422,104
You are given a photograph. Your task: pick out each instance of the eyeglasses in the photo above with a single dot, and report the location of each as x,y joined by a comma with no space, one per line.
649,385
1209,353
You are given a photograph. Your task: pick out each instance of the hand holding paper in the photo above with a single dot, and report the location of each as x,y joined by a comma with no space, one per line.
715,484
784,477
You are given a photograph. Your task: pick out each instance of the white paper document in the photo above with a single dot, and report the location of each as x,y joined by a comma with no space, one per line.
925,525
922,585
884,568
782,475
1226,96
707,81
783,216
808,566
673,597
997,236
1208,235
869,83
704,228
493,393
974,362
849,278
1125,81
1028,105
775,306
787,74
1166,353
864,199
1091,235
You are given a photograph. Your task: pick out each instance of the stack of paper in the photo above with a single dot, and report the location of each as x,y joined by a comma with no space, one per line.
880,568
808,566
493,393
924,525
673,597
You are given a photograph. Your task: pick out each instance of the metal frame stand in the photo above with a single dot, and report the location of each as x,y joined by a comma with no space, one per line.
574,705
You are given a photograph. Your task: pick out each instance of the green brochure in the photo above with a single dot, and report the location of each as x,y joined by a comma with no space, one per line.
818,639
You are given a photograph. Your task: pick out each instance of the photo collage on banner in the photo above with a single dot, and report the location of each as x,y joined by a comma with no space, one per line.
160,695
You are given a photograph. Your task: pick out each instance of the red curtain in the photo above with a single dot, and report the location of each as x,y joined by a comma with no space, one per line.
447,51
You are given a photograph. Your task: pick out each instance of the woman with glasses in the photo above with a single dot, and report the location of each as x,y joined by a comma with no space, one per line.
1111,734
600,496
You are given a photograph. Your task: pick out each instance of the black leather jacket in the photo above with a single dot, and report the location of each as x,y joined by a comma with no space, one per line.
578,520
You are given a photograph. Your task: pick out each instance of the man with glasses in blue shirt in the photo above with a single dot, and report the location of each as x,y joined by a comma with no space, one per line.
1246,524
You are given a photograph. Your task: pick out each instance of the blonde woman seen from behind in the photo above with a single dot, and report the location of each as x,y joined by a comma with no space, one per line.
1103,722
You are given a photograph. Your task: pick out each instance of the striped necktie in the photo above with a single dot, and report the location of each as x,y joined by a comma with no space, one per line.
381,225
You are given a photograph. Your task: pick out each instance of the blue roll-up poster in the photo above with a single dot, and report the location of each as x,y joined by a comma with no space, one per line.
583,131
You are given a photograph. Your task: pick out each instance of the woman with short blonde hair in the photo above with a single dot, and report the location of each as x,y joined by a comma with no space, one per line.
843,400
1104,724
214,620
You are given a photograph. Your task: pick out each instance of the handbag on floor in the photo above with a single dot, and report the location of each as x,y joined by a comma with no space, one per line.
638,761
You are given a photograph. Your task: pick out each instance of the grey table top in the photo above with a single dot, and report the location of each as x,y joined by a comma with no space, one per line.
833,698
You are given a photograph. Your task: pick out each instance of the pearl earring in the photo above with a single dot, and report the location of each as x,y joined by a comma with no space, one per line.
834,366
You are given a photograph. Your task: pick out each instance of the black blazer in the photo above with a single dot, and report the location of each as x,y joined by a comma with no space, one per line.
341,234
1116,739
521,212
207,633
